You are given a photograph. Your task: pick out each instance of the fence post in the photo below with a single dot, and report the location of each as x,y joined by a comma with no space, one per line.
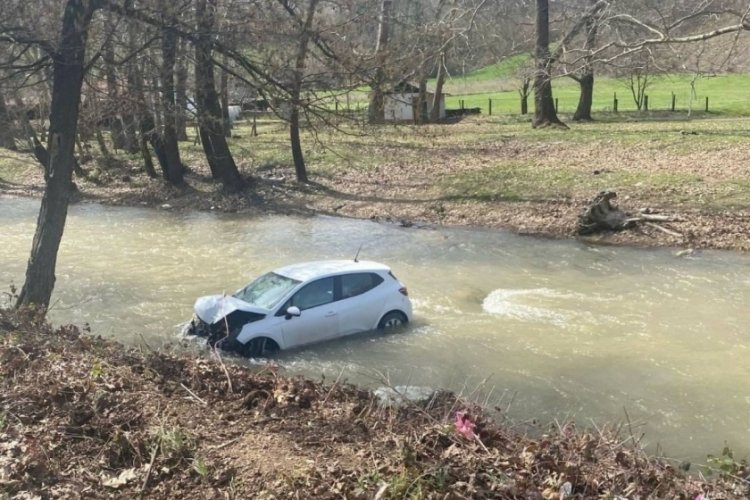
706,104
556,104
254,132
674,100
462,104
645,103
614,103
490,107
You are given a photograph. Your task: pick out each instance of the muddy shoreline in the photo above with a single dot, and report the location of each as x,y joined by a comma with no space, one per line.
275,192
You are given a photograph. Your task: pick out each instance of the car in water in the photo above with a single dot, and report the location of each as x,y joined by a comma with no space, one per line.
302,304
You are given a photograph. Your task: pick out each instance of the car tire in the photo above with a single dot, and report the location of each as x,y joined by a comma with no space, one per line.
393,319
259,347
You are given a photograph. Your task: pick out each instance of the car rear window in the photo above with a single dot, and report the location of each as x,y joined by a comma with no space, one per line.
358,283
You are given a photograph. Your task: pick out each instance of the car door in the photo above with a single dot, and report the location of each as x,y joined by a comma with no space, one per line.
318,319
359,305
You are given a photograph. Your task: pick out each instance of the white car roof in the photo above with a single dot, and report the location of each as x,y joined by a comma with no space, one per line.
308,270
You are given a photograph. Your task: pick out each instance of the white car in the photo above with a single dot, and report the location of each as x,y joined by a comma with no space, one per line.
302,304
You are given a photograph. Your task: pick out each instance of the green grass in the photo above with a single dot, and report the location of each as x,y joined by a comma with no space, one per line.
530,182
507,69
15,166
728,94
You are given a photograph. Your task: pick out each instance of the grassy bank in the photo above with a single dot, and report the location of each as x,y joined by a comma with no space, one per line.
485,171
81,415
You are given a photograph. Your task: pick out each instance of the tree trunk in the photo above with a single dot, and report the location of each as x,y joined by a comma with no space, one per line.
420,113
68,71
181,101
544,114
524,93
583,111
296,92
142,120
224,98
586,80
7,127
173,172
150,135
601,215
209,111
148,162
376,110
299,160
437,98
111,113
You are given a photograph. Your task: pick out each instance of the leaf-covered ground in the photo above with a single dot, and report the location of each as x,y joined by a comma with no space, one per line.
483,171
82,417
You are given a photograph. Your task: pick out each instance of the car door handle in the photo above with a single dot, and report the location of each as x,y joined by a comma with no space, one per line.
330,314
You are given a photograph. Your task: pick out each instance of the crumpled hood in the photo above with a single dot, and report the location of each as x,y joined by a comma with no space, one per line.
212,308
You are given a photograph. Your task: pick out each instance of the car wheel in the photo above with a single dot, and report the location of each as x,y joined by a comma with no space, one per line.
391,320
259,347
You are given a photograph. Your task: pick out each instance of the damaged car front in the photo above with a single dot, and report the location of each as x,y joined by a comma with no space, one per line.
217,317
220,318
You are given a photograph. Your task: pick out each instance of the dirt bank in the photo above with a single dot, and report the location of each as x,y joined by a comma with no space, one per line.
82,417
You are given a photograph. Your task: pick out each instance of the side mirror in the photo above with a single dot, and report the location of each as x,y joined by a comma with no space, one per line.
292,312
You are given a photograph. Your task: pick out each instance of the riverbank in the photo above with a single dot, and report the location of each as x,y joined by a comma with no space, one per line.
484,171
83,415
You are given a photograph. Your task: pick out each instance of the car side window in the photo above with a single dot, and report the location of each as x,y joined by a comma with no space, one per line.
314,294
358,283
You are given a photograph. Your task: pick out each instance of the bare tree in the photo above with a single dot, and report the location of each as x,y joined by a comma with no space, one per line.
181,84
7,126
545,114
376,110
173,169
210,122
68,70
296,88
585,77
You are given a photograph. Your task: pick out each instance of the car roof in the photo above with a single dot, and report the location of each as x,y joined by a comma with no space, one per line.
308,270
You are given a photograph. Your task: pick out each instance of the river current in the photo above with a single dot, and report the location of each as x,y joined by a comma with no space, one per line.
544,329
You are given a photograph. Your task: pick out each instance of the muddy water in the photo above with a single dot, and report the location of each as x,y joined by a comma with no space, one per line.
545,329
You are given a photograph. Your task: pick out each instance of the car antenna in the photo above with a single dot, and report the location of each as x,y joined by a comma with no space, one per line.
357,254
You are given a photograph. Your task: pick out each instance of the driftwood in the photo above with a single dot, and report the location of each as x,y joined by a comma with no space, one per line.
602,215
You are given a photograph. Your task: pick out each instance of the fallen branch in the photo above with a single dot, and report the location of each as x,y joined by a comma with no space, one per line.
194,395
335,384
224,367
225,444
658,218
664,229
653,218
602,215
154,452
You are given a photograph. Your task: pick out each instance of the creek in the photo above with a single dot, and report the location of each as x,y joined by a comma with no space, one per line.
544,329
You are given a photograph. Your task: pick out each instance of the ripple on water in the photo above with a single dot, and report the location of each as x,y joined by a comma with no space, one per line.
509,303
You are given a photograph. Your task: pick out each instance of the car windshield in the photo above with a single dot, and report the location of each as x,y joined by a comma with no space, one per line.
267,290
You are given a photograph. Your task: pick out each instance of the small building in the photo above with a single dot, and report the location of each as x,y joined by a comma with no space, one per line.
400,104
